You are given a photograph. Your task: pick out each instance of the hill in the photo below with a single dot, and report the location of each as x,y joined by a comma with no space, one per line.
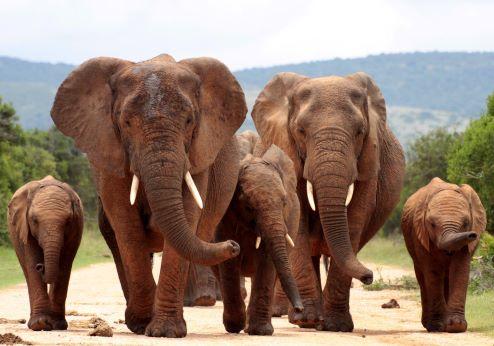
422,90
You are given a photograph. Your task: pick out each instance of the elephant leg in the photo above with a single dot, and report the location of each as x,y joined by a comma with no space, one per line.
109,235
280,301
40,318
307,283
261,297
336,295
436,304
316,263
201,286
423,293
168,320
134,252
233,303
58,291
459,271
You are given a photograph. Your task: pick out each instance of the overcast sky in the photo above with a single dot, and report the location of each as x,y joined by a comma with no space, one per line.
241,33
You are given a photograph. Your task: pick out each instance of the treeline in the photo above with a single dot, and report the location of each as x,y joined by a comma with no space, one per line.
31,155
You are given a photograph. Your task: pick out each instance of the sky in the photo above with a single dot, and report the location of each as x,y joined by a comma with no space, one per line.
240,33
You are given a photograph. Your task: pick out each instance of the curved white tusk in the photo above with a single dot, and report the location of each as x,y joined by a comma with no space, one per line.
133,189
310,195
289,240
349,195
258,242
193,189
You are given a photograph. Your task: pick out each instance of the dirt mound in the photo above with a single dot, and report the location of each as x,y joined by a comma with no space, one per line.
392,304
11,339
100,327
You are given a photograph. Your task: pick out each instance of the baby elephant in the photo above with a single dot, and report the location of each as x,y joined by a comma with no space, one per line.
45,222
441,224
263,218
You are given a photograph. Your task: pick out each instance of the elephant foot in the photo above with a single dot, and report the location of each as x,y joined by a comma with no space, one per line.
40,322
136,322
310,317
338,322
205,300
59,323
234,324
456,324
434,325
259,328
167,327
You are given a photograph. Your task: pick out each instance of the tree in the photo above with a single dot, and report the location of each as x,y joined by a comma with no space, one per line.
471,160
426,159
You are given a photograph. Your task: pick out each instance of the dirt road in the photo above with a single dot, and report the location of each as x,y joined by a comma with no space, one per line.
95,291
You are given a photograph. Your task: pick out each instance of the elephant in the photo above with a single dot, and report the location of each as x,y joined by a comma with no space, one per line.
441,224
350,171
262,218
159,138
202,287
45,222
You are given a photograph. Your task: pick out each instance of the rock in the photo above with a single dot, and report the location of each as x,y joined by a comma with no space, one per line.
11,339
100,327
392,304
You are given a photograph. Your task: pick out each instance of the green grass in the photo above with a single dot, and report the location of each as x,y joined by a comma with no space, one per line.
387,251
93,249
480,312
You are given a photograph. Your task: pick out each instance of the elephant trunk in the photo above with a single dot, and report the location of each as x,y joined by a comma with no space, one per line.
331,193
51,256
162,175
274,234
451,240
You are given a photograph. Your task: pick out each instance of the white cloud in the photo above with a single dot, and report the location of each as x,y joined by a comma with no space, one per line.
240,33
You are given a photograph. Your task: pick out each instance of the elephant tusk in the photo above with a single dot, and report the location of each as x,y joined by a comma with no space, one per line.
133,189
349,195
193,189
310,195
258,242
289,240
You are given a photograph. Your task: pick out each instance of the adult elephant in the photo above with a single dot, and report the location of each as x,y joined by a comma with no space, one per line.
334,129
161,132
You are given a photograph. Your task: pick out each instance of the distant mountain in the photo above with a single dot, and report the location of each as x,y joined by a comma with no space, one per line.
422,90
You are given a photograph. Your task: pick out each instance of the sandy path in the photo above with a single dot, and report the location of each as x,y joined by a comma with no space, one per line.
95,291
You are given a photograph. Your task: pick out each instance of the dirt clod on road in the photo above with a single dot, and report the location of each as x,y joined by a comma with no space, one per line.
11,339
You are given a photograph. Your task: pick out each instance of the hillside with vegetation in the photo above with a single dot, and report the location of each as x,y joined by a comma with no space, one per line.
422,90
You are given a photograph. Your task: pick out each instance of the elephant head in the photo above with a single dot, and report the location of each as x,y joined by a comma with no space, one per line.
268,201
331,127
45,210
448,215
161,121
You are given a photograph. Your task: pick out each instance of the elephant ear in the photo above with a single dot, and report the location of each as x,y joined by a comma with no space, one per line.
477,210
17,212
271,114
375,111
222,110
82,110
413,217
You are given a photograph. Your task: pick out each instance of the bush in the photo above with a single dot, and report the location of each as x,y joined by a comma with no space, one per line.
482,268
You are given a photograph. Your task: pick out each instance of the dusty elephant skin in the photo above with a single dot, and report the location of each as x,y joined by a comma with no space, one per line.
263,217
335,131
158,135
45,221
442,223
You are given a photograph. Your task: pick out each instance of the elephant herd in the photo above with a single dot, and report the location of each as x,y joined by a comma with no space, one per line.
320,178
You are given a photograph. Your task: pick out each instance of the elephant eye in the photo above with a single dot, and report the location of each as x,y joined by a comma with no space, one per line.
433,225
189,120
301,130
465,224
